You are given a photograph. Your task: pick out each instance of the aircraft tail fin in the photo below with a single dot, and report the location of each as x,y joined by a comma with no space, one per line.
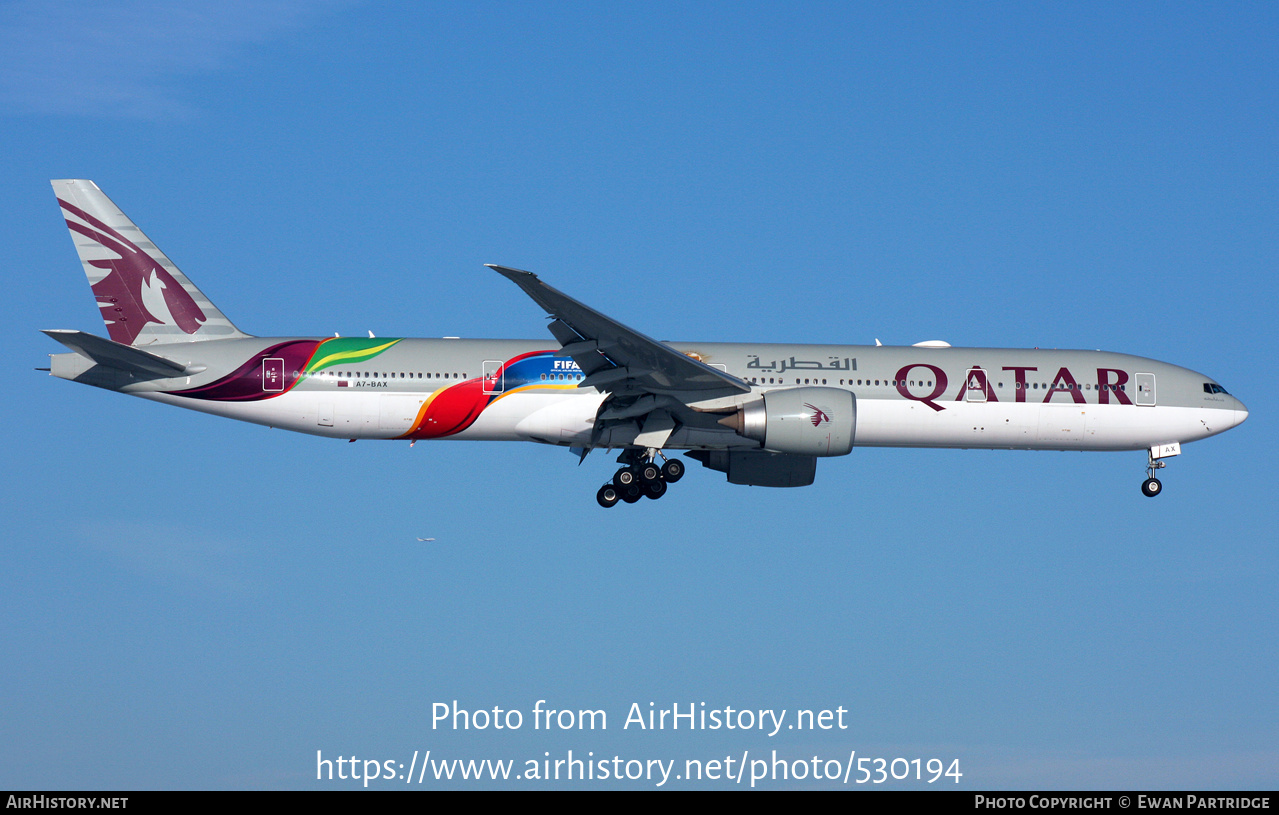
144,298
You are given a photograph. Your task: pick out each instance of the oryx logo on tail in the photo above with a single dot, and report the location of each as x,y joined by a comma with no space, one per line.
137,290
144,298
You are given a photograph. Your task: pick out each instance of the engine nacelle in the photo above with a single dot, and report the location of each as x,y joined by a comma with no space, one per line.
800,421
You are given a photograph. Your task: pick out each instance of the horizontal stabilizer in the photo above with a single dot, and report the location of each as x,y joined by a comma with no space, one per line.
120,356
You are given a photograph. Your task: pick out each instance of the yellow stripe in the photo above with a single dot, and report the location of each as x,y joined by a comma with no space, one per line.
534,387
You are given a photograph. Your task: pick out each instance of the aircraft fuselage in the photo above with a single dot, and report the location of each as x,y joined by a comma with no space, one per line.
520,390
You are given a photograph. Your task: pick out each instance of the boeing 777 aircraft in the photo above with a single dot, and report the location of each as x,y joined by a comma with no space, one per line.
762,414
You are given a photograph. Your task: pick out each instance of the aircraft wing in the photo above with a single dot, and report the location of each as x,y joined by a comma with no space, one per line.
620,359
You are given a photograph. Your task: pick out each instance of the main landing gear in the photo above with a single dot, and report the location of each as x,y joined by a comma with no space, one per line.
640,476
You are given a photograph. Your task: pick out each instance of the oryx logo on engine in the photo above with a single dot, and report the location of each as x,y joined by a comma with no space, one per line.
818,416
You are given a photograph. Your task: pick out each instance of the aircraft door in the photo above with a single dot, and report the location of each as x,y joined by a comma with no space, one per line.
976,385
273,375
1145,388
494,377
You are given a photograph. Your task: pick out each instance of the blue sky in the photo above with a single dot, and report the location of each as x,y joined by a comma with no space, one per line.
195,603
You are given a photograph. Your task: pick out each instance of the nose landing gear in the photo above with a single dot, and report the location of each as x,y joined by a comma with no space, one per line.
1151,486
1155,461
640,476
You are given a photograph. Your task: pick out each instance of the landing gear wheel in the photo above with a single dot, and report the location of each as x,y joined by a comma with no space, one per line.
650,473
624,478
632,493
607,496
655,489
1151,487
672,471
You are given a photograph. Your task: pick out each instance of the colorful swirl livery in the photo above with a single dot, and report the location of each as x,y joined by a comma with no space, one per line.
445,411
452,409
259,379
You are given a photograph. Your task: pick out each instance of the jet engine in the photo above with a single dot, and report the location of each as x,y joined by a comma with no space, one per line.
800,421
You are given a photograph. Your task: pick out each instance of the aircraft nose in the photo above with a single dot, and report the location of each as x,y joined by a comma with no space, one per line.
1241,413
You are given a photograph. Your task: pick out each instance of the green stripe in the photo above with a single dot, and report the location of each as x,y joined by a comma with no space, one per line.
346,350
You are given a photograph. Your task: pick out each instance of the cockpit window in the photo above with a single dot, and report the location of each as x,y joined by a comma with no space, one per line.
1211,387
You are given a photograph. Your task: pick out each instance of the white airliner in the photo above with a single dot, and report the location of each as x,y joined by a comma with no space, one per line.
762,414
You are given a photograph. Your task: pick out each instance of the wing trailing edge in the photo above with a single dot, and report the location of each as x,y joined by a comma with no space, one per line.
611,353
